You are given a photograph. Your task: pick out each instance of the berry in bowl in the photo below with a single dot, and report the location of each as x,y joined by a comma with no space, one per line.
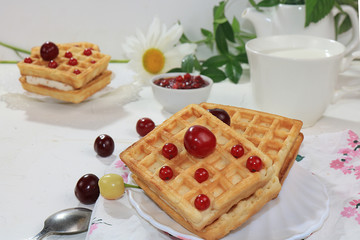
174,91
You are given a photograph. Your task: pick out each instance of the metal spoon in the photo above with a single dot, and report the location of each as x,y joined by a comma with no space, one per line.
67,221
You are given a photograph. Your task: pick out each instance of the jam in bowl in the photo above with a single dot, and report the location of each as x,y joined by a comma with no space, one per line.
174,91
186,81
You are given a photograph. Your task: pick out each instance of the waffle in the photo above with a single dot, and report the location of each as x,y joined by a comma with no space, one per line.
239,213
74,96
272,134
229,179
89,66
230,220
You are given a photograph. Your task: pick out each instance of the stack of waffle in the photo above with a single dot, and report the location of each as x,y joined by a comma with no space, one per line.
235,193
70,83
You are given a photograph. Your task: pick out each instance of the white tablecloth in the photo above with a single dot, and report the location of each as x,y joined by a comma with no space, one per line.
46,146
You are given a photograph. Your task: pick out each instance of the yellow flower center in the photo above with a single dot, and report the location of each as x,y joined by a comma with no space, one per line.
153,60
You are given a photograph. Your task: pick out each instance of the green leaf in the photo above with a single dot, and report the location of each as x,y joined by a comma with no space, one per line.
253,3
214,73
175,70
233,71
219,13
235,26
216,61
209,38
184,39
228,31
197,64
294,2
206,33
344,25
220,40
268,3
242,57
317,9
187,64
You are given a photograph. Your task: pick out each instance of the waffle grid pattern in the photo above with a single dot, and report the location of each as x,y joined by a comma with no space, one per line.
274,135
89,66
229,179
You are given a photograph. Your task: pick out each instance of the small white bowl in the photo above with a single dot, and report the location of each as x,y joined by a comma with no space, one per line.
175,99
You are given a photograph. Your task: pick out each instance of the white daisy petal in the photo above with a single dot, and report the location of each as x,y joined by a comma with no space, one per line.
157,48
172,36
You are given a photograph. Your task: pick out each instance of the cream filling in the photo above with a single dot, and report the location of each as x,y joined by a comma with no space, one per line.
48,83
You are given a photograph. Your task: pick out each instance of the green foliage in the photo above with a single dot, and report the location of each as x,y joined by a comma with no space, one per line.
316,10
229,41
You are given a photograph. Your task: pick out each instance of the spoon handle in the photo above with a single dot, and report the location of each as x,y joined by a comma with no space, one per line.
45,232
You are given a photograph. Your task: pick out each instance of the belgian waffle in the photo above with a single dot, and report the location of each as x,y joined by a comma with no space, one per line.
238,214
229,181
272,134
89,66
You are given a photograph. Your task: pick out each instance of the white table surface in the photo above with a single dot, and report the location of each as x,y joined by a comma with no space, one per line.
46,146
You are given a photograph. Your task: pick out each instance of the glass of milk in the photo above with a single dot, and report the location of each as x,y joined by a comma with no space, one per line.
294,75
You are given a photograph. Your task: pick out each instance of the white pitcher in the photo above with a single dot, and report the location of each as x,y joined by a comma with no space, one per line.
285,19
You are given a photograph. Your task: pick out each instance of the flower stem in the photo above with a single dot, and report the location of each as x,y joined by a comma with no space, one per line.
15,48
8,62
131,186
118,61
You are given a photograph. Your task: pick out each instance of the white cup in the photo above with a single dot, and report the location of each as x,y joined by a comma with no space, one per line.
295,75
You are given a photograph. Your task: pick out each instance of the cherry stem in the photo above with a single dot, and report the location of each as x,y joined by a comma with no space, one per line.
131,186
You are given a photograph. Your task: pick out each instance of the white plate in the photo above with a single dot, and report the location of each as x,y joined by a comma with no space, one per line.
300,209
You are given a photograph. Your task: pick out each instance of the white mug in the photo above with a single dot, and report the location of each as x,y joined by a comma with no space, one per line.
295,75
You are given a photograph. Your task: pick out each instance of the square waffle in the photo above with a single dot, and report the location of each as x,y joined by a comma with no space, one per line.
274,135
229,179
238,214
89,66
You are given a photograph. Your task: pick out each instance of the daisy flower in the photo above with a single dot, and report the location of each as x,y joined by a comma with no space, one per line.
156,52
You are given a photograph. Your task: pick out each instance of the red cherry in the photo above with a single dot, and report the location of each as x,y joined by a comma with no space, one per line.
237,151
87,189
221,114
201,175
87,52
169,150
199,141
166,173
202,202
49,51
68,54
93,61
72,61
28,60
77,71
254,164
144,126
104,145
52,64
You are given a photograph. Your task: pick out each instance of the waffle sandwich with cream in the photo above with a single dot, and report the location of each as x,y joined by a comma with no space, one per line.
75,73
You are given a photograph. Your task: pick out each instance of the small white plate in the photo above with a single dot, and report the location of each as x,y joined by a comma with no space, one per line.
300,209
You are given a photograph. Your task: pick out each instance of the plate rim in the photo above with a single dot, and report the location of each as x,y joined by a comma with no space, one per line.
162,227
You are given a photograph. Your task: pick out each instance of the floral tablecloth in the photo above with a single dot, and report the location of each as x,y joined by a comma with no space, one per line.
333,157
